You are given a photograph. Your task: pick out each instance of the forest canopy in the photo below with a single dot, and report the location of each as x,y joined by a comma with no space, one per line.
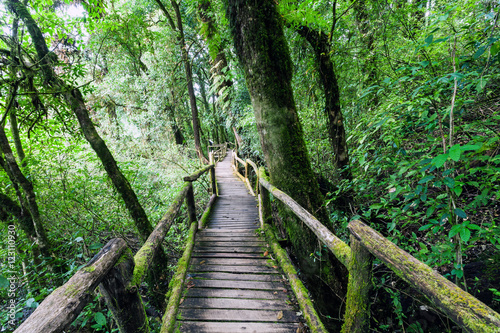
394,119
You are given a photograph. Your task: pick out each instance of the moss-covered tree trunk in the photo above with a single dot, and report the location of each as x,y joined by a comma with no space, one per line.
263,53
75,101
19,178
336,130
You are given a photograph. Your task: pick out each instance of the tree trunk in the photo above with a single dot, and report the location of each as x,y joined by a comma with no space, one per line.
263,53
75,101
189,79
336,129
18,177
17,139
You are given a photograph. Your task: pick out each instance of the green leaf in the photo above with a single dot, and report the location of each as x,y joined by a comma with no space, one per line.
424,63
450,182
429,39
458,190
4,283
439,160
29,303
465,234
474,227
460,213
425,227
454,230
455,152
430,210
481,84
495,47
100,318
95,246
479,52
470,147
426,179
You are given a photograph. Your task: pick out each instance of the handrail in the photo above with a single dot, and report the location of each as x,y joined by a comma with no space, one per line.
340,249
466,311
220,152
62,306
118,274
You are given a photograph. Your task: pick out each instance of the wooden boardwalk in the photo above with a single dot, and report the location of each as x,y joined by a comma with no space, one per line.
233,285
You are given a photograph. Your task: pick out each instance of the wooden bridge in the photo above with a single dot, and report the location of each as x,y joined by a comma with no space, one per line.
233,284
235,277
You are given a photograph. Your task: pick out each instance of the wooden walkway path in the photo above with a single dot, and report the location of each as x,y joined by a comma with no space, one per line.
233,285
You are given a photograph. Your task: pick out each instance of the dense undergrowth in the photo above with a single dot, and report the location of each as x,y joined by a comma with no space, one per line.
83,212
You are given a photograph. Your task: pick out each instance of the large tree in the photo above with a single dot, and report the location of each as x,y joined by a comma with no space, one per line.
263,53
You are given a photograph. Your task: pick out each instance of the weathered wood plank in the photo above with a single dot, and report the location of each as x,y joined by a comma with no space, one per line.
225,255
232,269
231,243
234,249
230,261
244,327
235,293
234,303
227,284
228,239
235,276
287,316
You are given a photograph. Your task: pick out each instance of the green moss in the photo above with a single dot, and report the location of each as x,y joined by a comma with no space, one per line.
298,288
176,284
141,264
71,291
88,269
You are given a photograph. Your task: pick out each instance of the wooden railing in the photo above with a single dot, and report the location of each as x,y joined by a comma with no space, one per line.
219,151
118,273
365,243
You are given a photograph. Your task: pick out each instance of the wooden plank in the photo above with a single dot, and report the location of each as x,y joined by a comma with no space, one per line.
232,269
287,316
236,293
234,249
243,327
225,255
242,232
235,276
234,303
220,233
230,261
227,284
233,227
233,237
230,243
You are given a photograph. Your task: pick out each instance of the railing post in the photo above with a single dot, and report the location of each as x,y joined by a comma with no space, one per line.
357,313
125,304
246,170
191,205
213,181
265,211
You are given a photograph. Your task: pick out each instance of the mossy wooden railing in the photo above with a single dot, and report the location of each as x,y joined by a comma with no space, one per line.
219,151
119,273
365,243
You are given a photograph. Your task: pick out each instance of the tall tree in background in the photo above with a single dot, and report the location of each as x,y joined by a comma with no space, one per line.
326,71
75,101
188,70
263,53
